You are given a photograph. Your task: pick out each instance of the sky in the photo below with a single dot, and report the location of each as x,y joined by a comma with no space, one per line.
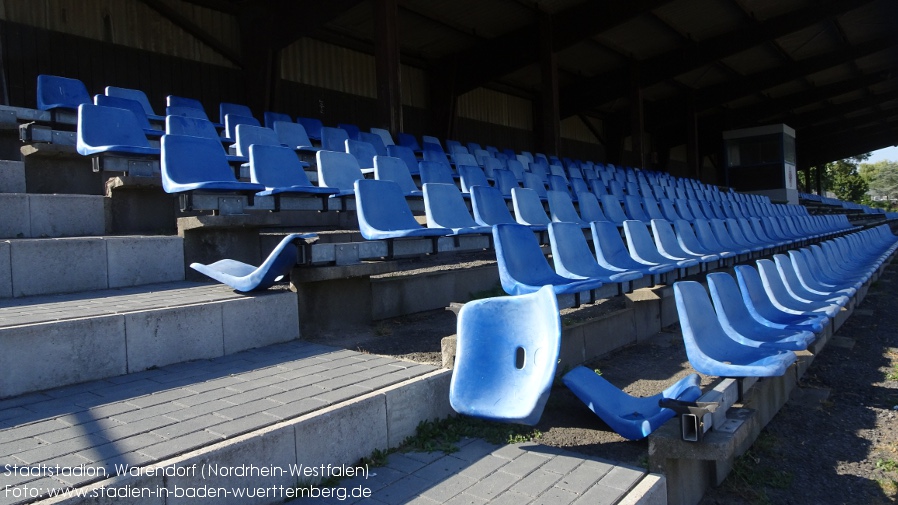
887,153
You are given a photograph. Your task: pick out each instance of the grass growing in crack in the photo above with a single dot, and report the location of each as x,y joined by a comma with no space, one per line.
887,465
443,435
752,474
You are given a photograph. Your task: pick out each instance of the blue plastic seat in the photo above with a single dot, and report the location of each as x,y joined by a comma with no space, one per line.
505,182
333,139
722,234
55,92
405,154
799,290
196,127
506,357
196,163
813,277
634,208
280,171
180,101
363,151
269,118
352,130
387,168
523,267
232,120
384,214
313,127
709,242
134,107
245,278
710,350
732,226
376,142
435,172
516,168
669,246
225,108
534,182
138,96
338,170
528,209
489,207
384,135
589,207
643,249
670,213
248,135
738,323
294,135
779,294
471,176
612,254
408,140
763,310
445,208
561,209
573,259
111,130
629,416
193,112
612,209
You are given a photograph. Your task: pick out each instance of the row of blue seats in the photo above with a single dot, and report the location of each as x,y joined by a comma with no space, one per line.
749,326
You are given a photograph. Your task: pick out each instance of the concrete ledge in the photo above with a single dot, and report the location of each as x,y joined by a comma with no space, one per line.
12,176
41,216
651,490
70,265
53,168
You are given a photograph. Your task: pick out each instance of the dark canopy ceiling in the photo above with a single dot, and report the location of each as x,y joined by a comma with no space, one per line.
825,67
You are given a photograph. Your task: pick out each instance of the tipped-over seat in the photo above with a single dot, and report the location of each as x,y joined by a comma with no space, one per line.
506,357
631,417
244,278
710,350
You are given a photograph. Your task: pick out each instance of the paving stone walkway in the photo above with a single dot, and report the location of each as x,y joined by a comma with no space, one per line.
157,414
481,473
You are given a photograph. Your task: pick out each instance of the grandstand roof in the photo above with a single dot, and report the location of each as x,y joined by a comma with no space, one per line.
824,67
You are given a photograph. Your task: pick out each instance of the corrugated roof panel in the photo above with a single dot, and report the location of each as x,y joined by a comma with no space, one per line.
812,41
876,62
641,38
428,38
484,19
328,66
756,59
690,19
495,107
660,91
766,9
832,75
589,59
704,76
528,78
785,89
573,128
868,21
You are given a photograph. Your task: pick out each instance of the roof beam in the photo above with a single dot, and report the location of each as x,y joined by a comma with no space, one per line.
813,152
226,6
604,87
504,54
291,20
834,112
195,30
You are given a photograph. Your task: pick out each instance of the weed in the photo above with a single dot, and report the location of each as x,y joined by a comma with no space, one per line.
752,474
443,435
377,458
887,465
889,487
598,371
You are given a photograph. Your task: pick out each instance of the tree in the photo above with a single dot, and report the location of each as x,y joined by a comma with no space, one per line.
882,178
843,179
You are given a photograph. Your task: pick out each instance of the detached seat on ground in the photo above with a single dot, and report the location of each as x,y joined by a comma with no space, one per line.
631,417
506,357
245,278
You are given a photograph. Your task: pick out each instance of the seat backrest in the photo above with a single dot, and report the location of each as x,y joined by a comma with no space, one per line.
187,159
376,141
505,182
535,182
489,207
108,126
270,118
436,157
197,127
528,209
55,92
589,207
516,168
338,170
232,120
381,206
384,135
633,205
276,167
666,239
430,139
352,130
408,140
363,151
464,158
313,127
225,108
387,168
406,155
125,103
248,135
506,357
180,101
610,249
434,171
180,110
490,165
291,134
521,261
445,207
471,176
332,139
132,94
561,208
612,209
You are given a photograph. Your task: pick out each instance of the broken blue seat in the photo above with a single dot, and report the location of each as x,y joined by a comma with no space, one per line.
763,310
134,107
55,92
245,278
384,214
112,131
199,164
710,350
506,357
738,323
139,97
629,416
445,208
573,259
523,267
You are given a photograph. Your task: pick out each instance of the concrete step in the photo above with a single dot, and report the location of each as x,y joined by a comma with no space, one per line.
263,412
51,341
32,267
12,176
42,216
